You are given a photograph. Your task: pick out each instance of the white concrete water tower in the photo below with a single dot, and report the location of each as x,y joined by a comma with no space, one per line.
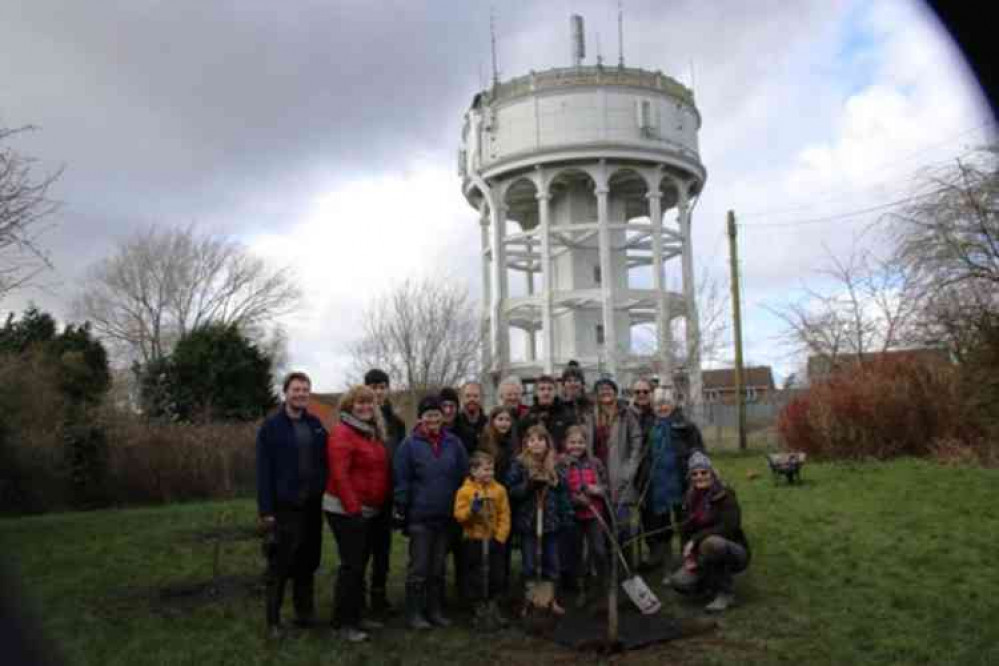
576,174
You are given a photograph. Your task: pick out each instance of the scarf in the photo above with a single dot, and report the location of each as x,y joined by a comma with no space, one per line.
363,427
699,510
434,439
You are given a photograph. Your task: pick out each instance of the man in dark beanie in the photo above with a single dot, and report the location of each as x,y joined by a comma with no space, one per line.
428,468
291,477
449,406
381,546
575,404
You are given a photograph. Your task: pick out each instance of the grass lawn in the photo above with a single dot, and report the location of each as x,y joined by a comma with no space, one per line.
862,564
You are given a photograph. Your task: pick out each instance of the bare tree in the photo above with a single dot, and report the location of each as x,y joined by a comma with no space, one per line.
160,284
948,237
713,308
426,333
871,308
24,204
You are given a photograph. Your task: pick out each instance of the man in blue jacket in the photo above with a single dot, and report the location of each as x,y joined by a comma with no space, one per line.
291,477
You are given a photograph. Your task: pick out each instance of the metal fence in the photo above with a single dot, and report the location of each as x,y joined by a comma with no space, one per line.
720,422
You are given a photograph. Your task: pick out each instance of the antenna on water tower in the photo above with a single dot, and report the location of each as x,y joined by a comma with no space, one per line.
578,41
620,35
600,55
492,40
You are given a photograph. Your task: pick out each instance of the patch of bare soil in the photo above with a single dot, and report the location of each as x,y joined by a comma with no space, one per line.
182,597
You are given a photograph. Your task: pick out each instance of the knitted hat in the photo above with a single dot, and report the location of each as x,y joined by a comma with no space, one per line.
605,381
428,404
448,394
699,460
572,370
376,376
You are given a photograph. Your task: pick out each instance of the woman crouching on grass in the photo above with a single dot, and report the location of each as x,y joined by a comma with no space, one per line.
714,545
357,492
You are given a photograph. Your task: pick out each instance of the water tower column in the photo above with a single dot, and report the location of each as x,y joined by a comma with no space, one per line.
548,288
690,296
499,332
487,298
664,336
607,278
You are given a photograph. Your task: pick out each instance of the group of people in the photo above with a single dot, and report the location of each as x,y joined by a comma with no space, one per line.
572,480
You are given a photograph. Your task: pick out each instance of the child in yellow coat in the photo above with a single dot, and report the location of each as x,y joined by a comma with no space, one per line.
482,509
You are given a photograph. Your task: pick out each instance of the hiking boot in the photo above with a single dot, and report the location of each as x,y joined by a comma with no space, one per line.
434,613
370,625
415,601
353,635
721,602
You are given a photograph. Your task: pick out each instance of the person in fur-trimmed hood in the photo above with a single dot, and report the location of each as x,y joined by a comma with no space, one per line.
615,438
714,545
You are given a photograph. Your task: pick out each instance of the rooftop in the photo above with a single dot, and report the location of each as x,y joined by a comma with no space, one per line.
587,75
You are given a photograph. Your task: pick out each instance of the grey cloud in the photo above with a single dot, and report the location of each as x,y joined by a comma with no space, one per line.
236,114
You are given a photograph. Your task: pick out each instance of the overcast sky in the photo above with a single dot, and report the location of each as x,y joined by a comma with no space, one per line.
323,134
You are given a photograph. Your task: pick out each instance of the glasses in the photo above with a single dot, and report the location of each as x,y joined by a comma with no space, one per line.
642,391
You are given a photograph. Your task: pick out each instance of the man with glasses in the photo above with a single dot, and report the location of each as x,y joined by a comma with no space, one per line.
641,406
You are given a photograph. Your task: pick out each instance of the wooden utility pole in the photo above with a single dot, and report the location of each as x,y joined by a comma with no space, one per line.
740,384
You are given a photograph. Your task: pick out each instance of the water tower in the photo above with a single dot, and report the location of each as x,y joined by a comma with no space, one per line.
584,179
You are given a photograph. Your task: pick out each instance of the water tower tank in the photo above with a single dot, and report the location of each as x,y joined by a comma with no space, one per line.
584,178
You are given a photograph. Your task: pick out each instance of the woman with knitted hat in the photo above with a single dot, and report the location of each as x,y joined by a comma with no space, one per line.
429,467
714,545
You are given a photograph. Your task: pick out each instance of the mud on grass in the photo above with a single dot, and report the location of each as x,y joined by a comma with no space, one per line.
182,597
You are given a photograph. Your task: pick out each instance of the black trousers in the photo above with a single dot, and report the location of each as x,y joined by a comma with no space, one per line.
475,585
293,551
353,536
381,550
456,549
572,540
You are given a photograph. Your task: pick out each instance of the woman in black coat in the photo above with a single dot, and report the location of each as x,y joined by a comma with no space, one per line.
714,545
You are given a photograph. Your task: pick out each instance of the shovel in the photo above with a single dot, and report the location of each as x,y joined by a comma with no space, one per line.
636,588
542,593
483,614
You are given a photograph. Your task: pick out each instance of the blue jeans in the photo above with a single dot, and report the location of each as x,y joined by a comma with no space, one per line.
549,555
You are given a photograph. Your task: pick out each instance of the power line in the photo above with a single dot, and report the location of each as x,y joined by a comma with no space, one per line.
846,215
841,194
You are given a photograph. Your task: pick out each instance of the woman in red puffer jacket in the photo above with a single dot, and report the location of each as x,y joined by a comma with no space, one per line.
356,494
